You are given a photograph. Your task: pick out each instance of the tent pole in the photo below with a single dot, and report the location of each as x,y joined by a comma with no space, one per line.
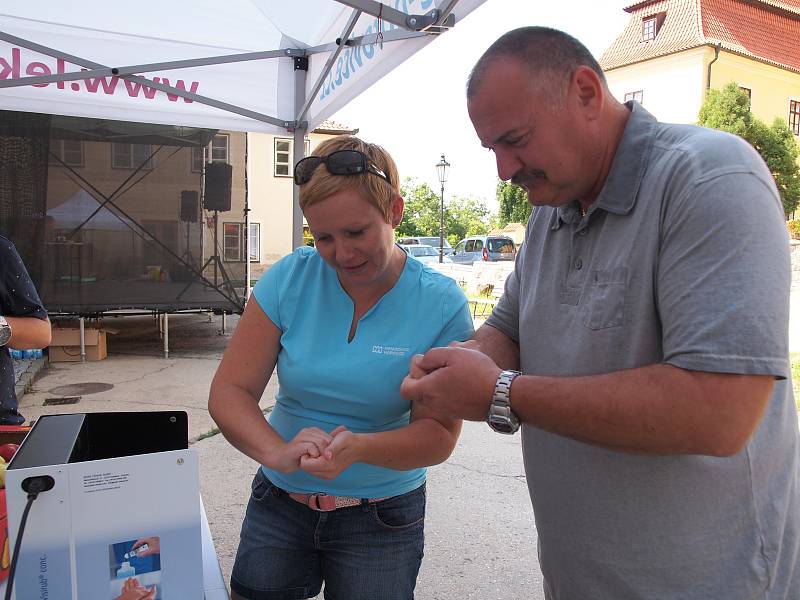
298,146
247,170
348,29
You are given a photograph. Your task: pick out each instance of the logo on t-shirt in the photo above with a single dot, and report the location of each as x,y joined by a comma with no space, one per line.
391,350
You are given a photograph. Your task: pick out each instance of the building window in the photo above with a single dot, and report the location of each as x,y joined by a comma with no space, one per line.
233,241
255,242
130,156
68,152
794,116
283,156
649,28
637,95
746,91
216,151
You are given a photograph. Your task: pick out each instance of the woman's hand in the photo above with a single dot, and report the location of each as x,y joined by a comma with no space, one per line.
309,442
339,454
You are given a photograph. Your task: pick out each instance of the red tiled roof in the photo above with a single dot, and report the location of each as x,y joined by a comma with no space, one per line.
766,30
330,126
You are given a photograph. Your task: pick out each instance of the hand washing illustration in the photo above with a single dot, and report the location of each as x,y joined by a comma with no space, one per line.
135,569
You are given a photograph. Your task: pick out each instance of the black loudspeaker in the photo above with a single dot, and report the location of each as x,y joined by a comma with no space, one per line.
218,187
189,206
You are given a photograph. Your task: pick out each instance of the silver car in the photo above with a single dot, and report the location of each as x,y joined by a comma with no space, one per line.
427,241
484,247
423,253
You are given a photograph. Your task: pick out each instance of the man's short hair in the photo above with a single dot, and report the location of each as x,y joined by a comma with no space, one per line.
550,55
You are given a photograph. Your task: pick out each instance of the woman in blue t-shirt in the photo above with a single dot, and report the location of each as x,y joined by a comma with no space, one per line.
340,495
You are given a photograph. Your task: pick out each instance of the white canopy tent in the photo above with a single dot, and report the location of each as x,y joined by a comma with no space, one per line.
248,65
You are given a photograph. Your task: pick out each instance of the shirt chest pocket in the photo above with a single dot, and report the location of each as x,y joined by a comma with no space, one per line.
604,306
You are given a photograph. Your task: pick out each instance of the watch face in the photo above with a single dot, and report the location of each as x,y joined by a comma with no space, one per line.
5,333
503,424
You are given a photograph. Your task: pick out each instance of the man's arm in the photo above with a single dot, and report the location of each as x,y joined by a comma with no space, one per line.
29,332
657,409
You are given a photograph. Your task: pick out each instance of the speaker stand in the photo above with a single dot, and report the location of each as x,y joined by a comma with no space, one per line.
219,267
187,256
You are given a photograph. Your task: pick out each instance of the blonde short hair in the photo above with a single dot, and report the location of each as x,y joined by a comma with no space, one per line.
373,188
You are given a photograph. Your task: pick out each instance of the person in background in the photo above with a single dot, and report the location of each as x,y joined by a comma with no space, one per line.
23,325
648,315
340,495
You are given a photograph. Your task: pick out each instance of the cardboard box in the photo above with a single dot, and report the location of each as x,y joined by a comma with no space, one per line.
66,344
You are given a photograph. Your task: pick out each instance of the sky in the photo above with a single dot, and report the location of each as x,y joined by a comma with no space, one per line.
418,111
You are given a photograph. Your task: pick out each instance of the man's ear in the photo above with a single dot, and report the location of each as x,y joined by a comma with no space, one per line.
396,211
587,87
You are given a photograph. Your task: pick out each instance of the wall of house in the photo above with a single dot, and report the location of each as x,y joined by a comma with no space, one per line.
271,198
270,201
771,87
673,86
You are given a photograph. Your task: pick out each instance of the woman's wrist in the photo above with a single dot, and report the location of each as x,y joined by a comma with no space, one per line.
272,459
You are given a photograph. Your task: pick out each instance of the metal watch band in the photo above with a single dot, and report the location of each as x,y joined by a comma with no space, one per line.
501,418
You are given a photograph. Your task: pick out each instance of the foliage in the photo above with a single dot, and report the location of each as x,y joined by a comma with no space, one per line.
514,205
462,216
728,109
794,228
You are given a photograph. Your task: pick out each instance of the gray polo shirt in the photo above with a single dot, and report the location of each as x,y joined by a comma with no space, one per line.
683,259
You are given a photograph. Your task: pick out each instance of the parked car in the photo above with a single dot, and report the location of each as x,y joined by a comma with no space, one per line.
484,247
424,253
428,241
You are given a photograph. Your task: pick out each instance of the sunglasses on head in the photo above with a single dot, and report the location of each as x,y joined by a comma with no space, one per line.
341,162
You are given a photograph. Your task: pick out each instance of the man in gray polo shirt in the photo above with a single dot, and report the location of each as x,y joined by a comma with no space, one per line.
648,313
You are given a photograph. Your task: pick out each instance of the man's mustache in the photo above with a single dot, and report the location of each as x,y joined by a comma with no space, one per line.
521,179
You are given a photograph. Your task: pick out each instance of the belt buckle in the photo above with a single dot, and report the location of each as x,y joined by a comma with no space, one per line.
322,502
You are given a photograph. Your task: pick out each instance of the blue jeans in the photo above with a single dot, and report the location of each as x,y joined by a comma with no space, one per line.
368,552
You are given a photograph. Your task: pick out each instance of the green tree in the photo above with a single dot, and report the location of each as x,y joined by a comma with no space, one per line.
421,216
513,202
728,109
462,216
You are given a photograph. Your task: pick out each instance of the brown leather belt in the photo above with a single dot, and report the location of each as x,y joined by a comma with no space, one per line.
326,503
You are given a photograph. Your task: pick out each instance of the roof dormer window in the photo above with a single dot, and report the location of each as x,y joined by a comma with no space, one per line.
651,26
648,29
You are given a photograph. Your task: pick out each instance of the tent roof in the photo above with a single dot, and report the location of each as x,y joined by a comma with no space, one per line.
75,211
202,63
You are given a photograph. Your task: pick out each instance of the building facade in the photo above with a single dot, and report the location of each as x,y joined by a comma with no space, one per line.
673,51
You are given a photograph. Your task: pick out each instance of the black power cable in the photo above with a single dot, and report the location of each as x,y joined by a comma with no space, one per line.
34,486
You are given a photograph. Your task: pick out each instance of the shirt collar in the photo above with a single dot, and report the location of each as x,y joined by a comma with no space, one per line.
630,162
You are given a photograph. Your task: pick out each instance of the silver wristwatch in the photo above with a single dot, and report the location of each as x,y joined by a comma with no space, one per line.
5,331
501,418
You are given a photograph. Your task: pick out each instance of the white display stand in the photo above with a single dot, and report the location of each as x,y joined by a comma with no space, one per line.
214,587
116,482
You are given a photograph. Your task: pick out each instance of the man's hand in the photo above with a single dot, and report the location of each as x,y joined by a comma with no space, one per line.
457,381
309,442
335,458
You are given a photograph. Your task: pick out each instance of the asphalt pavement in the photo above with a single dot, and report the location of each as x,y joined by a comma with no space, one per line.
480,534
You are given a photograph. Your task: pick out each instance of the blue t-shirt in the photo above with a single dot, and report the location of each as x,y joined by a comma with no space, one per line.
326,381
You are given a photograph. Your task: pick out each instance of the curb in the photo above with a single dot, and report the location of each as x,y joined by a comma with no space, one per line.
28,375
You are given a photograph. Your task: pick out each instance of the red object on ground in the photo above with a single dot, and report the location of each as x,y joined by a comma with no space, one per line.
7,451
9,434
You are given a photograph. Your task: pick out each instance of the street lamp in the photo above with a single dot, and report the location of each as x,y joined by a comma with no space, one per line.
441,171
